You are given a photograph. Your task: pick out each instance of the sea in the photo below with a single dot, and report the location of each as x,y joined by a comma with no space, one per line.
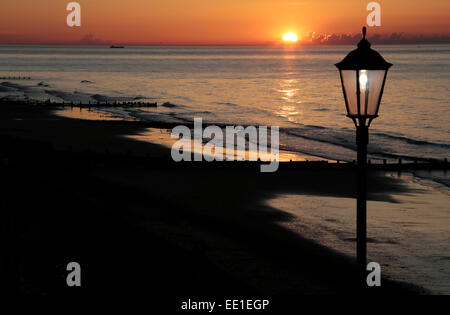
296,88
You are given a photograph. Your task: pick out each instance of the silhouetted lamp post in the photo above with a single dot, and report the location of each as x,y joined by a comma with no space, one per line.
363,75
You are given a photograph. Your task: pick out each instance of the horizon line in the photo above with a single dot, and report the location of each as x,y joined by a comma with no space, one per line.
319,41
313,38
221,44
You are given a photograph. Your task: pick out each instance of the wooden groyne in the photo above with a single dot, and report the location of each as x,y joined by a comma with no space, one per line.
104,104
43,153
15,78
93,104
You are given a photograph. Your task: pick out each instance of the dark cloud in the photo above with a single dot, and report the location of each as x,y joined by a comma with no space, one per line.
90,39
14,38
394,38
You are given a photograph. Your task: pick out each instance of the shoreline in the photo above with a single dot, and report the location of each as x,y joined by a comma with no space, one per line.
141,143
100,110
216,246
153,134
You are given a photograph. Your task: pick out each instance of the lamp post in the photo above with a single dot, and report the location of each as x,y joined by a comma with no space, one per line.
363,75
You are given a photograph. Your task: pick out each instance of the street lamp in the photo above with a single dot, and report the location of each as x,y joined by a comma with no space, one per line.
363,75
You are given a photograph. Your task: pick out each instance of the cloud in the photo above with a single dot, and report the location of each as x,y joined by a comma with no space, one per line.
90,39
386,39
14,38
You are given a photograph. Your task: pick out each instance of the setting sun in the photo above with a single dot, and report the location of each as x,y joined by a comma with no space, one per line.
290,37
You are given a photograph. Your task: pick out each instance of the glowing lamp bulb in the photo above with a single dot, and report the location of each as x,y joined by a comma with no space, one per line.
363,78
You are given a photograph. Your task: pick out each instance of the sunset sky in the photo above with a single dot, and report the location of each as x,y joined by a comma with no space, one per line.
211,21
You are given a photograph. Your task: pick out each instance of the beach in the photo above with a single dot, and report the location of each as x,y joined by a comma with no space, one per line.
159,230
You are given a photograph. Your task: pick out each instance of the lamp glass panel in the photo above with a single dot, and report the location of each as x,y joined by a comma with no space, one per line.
371,83
349,81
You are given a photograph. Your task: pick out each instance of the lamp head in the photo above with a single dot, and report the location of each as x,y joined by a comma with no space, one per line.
363,74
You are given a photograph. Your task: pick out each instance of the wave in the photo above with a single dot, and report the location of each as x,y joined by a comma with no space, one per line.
438,177
4,88
412,141
226,104
41,92
15,86
381,144
169,105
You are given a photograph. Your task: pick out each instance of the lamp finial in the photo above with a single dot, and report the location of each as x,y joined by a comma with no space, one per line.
364,32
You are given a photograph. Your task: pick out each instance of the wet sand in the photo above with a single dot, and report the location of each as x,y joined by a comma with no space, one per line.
160,232
408,237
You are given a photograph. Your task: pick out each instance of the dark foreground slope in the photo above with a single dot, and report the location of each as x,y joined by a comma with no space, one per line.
158,231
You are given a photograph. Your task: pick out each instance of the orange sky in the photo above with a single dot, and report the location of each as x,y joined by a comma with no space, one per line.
211,21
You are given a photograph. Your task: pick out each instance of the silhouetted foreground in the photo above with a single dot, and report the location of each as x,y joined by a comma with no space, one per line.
156,230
